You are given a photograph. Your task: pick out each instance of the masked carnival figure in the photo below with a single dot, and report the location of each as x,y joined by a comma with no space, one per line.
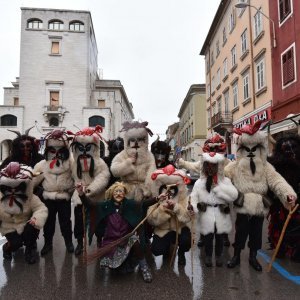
172,217
114,148
253,176
92,173
58,186
135,163
212,194
286,161
161,151
22,214
25,150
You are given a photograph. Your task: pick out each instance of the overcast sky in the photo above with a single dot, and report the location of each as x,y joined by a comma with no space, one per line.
151,46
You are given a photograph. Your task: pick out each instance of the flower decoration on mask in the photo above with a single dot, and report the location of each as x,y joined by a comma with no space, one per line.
215,144
248,129
131,125
169,170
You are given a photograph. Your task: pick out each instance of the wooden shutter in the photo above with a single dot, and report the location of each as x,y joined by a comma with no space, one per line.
288,71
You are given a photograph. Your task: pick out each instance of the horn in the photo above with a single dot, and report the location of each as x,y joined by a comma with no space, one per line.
18,133
27,130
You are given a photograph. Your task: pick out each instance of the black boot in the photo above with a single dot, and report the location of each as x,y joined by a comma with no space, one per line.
30,255
7,254
79,247
200,241
235,260
47,248
253,261
181,258
69,245
208,261
226,241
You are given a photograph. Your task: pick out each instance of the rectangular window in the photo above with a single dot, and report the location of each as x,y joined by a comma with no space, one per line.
54,100
246,86
231,21
285,9
218,77
260,74
288,66
244,43
226,101
225,67
101,103
213,84
235,94
219,103
208,118
208,90
54,47
224,35
217,47
16,101
258,24
207,64
212,59
233,56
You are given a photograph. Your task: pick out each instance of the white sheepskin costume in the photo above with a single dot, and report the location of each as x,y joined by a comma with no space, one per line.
213,198
18,203
87,167
164,219
135,163
252,175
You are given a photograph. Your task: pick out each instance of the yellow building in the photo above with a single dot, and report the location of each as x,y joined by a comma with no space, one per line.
192,122
237,52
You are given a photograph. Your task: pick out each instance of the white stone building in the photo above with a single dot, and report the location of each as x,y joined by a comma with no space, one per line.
58,85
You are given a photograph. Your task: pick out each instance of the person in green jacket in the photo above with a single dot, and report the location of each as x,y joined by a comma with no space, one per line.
116,217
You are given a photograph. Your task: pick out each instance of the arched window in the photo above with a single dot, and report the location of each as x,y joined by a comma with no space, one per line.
35,24
8,120
96,120
56,25
76,26
53,121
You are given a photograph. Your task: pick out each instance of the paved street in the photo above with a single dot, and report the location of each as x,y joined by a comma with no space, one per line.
62,276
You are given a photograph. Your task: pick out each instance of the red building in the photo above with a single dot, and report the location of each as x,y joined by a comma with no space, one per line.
286,58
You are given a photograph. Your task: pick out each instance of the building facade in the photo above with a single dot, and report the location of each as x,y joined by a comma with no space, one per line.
238,50
286,58
58,85
192,120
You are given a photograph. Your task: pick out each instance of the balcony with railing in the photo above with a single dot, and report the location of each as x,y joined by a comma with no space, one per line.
221,121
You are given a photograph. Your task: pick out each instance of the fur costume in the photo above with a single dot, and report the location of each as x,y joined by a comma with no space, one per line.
18,203
88,168
286,160
55,169
253,176
213,197
135,163
161,151
24,150
163,219
114,147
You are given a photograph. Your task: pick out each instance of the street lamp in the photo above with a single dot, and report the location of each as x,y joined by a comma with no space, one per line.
244,5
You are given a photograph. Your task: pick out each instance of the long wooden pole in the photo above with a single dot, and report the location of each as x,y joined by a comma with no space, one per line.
281,237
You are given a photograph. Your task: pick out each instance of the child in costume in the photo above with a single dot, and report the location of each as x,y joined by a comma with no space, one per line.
116,217
172,216
58,187
22,214
212,194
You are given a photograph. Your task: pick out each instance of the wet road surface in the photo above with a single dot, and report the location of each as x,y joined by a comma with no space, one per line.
60,275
